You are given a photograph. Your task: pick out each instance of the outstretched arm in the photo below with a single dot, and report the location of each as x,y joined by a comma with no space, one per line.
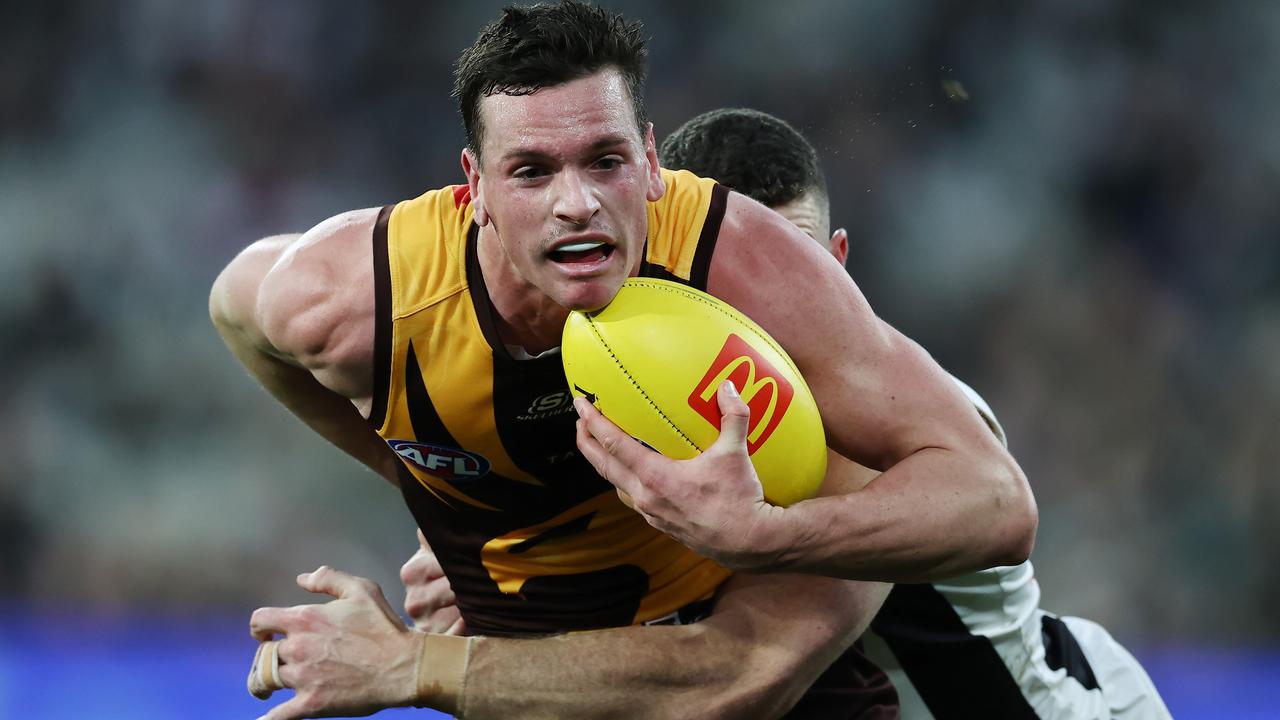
293,310
769,638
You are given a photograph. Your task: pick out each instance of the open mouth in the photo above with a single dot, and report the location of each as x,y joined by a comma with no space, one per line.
581,253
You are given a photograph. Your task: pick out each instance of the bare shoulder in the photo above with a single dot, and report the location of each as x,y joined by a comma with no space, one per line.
234,293
315,305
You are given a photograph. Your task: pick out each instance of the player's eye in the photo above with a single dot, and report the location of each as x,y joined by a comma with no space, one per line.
528,173
609,163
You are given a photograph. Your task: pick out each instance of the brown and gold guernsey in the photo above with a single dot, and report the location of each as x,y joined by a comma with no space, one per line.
531,538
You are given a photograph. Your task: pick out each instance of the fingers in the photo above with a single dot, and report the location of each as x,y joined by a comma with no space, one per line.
431,605
613,453
336,583
459,627
264,675
603,462
294,709
428,597
735,418
626,500
266,623
445,621
421,568
427,590
255,673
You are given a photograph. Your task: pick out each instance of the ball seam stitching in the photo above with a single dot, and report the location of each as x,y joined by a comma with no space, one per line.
750,325
604,343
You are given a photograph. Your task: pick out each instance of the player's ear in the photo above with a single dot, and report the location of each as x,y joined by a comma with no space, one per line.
471,168
840,245
657,188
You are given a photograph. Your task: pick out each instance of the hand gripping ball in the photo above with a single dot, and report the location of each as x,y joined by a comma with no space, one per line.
652,359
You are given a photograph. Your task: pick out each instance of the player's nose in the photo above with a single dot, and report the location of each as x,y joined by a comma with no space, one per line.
575,198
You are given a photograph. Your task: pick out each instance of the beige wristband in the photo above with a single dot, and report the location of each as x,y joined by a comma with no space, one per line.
442,672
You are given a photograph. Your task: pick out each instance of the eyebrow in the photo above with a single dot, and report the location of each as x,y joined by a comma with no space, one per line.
604,143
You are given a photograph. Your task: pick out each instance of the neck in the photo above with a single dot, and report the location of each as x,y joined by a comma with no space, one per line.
525,316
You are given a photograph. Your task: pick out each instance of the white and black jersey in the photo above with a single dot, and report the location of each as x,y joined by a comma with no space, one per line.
979,646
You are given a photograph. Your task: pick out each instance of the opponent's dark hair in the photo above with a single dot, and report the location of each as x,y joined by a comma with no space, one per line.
536,46
749,151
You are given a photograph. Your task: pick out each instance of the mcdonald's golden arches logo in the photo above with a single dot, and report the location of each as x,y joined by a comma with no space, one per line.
765,390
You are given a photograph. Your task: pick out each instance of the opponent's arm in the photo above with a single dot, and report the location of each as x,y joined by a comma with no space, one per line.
951,499
294,311
767,641
429,601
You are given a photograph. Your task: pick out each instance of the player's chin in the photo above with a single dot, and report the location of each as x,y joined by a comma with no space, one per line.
590,295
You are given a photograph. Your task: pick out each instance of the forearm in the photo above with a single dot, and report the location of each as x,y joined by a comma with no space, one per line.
768,640
951,499
627,672
934,515
753,658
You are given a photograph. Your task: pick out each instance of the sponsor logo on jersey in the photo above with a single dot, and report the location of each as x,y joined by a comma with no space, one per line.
764,389
440,461
552,404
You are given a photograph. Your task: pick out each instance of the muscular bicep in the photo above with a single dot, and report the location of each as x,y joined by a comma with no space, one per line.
233,299
295,322
881,396
315,306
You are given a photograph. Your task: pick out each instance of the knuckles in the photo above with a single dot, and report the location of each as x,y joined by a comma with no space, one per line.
423,600
257,620
266,620
419,603
611,443
294,650
416,608
421,568
368,587
321,576
415,570
306,618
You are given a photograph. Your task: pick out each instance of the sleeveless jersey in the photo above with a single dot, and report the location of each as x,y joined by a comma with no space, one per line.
532,540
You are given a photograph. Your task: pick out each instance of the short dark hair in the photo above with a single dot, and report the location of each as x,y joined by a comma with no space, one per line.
749,151
536,46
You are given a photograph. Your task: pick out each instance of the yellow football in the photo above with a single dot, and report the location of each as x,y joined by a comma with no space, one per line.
652,359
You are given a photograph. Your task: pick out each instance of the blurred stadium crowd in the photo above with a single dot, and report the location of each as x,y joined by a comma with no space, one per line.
1069,202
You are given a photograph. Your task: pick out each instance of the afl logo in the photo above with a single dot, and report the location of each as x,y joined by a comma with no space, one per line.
442,462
